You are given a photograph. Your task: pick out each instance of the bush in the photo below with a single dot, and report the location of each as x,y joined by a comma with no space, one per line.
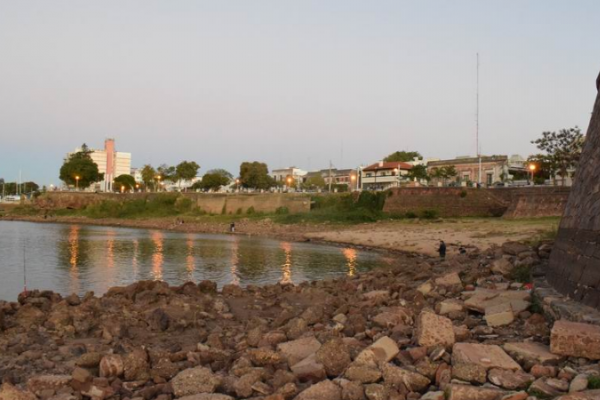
224,209
463,193
251,210
521,274
593,382
239,211
411,215
429,214
183,204
282,211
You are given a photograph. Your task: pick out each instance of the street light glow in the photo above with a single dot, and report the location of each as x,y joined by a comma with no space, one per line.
532,167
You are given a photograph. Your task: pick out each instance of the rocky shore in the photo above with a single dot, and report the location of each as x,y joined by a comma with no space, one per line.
460,329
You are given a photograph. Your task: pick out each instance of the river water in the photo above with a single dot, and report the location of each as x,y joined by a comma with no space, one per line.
79,258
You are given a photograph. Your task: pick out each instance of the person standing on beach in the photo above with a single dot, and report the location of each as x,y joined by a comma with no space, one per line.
442,249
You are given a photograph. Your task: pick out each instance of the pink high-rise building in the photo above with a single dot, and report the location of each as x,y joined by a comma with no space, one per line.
111,163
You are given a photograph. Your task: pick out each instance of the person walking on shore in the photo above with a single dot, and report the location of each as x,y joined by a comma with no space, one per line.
442,249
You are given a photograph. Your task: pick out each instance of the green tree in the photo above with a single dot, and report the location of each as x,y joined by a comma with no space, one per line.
402,156
214,180
80,165
562,151
315,182
186,170
149,176
450,172
167,173
12,188
255,175
418,172
127,182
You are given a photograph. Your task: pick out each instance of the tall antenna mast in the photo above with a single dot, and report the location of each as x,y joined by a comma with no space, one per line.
24,272
477,124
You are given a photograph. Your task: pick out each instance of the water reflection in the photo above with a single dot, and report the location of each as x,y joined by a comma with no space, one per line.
350,255
157,257
190,262
72,258
286,268
235,259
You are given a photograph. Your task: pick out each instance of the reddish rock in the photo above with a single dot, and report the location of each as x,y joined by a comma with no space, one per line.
532,353
49,383
383,350
434,330
297,350
465,392
470,361
334,356
325,390
396,377
575,339
309,370
111,366
587,395
512,380
194,381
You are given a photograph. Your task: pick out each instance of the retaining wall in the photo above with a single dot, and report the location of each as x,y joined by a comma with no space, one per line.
213,203
575,262
471,202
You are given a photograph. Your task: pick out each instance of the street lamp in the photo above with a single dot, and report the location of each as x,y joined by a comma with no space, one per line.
532,169
397,173
352,179
158,177
237,185
137,187
77,182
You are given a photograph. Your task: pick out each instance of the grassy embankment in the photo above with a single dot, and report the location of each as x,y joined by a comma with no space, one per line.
337,209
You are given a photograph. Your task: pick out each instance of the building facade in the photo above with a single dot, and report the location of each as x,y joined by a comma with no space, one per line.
494,169
384,175
110,162
281,175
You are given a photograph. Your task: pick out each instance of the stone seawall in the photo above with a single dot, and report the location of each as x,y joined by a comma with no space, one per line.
470,202
214,203
575,264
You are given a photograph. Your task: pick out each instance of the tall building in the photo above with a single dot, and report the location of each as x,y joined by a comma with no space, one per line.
110,162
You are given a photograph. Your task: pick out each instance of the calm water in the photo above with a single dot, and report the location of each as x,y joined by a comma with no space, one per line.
78,258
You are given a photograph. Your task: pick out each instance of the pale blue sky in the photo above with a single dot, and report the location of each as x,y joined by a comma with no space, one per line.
287,82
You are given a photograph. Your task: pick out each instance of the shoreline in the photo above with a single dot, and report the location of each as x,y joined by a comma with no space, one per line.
218,228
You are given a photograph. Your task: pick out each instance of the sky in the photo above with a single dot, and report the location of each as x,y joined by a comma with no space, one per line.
287,82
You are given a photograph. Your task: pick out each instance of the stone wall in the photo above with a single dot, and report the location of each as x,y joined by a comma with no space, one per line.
213,203
470,202
575,263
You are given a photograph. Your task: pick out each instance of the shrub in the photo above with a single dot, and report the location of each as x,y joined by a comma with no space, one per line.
224,209
429,214
521,274
239,211
251,210
463,193
183,204
593,382
411,215
282,211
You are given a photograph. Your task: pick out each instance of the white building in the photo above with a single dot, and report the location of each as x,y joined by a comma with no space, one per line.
384,175
281,175
110,162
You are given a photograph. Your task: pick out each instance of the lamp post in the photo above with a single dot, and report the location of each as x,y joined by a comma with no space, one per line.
77,183
137,187
289,182
532,169
352,180
397,173
237,185
158,186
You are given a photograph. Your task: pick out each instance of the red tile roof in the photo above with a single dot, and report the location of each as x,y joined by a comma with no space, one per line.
388,165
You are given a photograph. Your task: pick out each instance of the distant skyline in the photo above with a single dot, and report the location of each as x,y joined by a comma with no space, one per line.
288,82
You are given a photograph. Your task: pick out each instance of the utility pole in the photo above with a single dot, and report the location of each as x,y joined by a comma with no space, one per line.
477,124
329,176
